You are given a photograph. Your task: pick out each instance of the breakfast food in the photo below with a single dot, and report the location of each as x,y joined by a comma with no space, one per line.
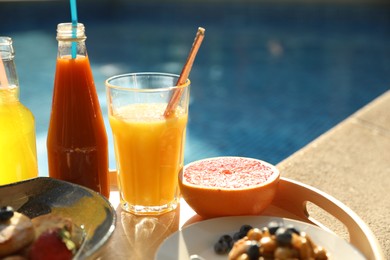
44,237
16,231
272,242
53,244
229,186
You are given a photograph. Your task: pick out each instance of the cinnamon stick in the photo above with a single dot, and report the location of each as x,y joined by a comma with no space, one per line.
174,101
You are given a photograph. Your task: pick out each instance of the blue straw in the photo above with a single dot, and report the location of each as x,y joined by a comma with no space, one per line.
73,12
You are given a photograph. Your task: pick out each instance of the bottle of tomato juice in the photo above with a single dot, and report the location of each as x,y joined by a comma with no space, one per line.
77,143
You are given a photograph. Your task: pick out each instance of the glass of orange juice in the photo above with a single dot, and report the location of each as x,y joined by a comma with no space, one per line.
149,144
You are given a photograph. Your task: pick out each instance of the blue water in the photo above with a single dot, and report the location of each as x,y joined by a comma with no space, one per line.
268,78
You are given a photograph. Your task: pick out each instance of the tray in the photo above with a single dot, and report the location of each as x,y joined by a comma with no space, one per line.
292,201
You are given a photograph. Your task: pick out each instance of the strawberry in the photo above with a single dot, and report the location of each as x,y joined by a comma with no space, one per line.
53,244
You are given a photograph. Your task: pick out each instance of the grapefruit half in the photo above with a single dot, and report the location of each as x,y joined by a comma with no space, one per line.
228,186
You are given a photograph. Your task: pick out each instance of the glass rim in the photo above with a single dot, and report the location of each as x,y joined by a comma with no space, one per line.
65,32
5,40
6,48
125,75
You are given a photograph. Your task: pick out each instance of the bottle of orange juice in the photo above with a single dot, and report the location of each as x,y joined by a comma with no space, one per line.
18,154
77,143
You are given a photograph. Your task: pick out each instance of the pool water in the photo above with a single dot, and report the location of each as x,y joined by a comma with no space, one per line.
268,79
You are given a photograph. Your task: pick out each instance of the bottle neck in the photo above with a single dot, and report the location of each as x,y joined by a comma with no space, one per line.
9,82
10,74
71,40
65,49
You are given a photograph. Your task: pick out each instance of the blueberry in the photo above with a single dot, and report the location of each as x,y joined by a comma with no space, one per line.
283,236
272,227
6,213
253,251
293,229
221,247
245,228
227,239
224,245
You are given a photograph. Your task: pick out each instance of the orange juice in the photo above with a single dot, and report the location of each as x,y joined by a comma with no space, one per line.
18,153
150,152
17,139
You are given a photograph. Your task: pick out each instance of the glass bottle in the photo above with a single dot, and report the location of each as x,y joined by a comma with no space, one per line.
18,153
77,143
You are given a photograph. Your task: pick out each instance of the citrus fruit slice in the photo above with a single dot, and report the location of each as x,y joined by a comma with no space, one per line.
228,186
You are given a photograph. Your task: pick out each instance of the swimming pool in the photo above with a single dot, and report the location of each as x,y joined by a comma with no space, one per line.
268,79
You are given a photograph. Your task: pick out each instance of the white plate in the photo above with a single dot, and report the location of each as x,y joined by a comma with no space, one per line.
199,238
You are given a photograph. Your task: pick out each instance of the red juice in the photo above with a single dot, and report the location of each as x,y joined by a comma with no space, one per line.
77,144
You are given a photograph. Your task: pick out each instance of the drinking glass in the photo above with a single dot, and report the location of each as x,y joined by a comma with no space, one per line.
149,144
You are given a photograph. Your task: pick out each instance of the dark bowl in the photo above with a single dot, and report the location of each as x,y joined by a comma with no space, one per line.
86,208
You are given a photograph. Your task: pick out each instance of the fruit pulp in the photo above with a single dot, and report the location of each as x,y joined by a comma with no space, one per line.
228,173
149,153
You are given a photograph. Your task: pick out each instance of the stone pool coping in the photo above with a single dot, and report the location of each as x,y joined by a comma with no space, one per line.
351,162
